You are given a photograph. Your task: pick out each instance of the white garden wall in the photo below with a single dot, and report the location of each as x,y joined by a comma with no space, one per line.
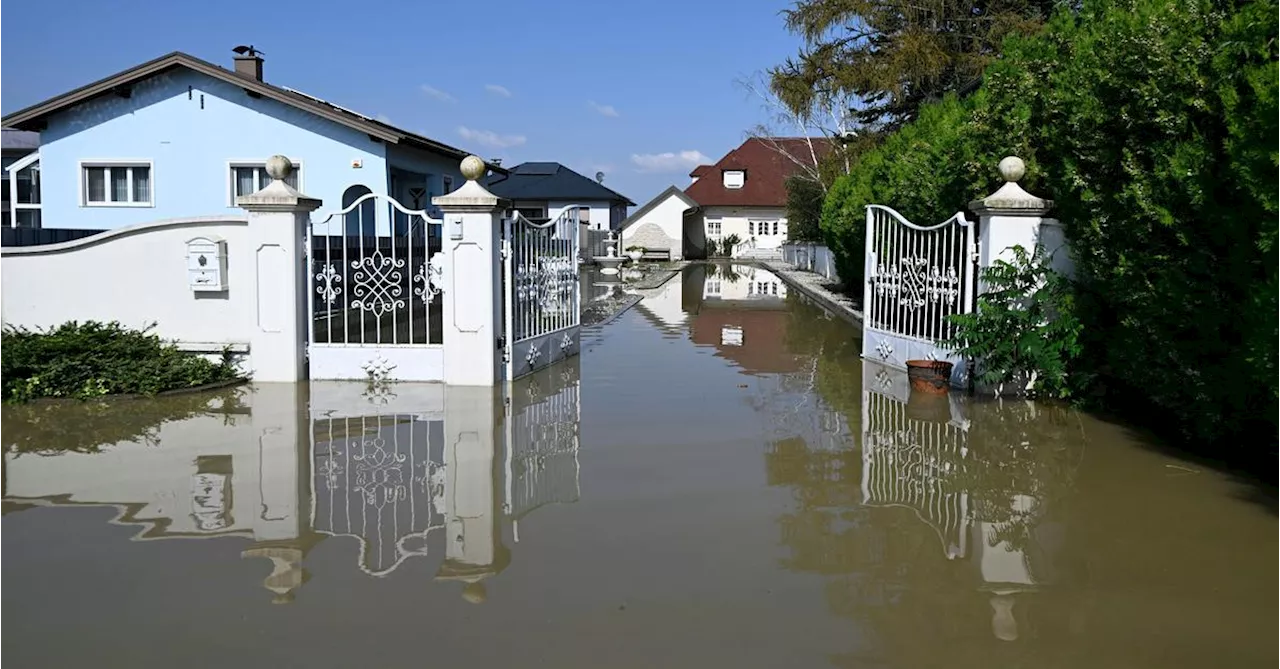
136,275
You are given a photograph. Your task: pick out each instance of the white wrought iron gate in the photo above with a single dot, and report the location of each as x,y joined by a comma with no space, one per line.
916,277
540,284
375,293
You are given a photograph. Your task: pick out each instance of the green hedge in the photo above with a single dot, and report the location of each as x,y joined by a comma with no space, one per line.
1152,124
92,359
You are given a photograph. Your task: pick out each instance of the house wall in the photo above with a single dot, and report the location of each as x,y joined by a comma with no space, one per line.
189,126
736,221
435,166
600,216
659,228
138,277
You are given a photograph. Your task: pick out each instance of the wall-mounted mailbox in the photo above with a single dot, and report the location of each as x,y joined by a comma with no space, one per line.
207,264
455,227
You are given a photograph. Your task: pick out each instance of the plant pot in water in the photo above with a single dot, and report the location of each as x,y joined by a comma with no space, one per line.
929,376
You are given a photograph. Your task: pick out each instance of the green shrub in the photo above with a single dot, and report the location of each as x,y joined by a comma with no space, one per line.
1152,124
1024,332
91,359
926,171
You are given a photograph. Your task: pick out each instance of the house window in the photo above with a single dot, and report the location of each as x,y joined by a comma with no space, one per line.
249,178
448,185
775,227
713,287
713,227
116,184
734,178
751,228
23,194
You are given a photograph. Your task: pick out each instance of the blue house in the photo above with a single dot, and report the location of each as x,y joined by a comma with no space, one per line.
545,190
179,136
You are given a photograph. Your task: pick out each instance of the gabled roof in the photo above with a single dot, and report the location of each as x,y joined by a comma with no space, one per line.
766,167
33,117
661,197
551,181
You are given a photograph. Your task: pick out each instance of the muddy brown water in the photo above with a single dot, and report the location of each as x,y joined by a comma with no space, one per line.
718,481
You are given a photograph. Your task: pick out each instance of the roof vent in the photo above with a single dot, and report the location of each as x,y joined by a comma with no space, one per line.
248,62
496,162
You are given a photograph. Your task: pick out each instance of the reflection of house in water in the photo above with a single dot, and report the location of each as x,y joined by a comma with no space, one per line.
744,318
406,471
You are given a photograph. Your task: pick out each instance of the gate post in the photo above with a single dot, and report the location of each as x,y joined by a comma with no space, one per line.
472,293
1013,217
277,234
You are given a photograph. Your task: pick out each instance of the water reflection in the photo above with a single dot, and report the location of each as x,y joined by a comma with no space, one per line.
402,472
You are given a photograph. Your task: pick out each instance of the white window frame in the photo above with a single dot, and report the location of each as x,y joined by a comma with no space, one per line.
257,164
83,166
736,183
19,165
719,227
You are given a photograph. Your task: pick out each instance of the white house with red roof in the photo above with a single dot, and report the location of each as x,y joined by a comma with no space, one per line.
743,194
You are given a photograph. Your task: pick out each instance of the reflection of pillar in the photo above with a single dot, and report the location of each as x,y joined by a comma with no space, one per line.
473,541
1004,567
280,527
7,507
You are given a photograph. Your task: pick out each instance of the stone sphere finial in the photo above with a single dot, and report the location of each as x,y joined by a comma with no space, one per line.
279,167
473,168
1012,168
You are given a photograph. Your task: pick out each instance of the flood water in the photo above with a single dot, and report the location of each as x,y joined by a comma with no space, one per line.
718,481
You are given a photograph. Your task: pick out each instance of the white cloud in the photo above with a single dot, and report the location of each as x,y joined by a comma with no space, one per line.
670,161
603,110
433,92
500,91
490,139
383,118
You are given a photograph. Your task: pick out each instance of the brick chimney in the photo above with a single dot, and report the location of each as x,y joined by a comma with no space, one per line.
248,62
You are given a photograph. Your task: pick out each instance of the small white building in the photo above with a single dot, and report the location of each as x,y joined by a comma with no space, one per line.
660,224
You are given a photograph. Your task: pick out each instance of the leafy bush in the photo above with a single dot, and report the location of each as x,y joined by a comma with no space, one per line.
804,209
1024,331
926,171
1152,124
91,359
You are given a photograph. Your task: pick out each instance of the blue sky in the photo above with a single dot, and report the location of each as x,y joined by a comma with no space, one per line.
640,90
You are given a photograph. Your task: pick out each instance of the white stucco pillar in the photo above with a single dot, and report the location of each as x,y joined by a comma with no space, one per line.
1013,217
472,292
278,219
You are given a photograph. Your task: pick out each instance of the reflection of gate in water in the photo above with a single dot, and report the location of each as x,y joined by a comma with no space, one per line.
543,436
379,479
914,463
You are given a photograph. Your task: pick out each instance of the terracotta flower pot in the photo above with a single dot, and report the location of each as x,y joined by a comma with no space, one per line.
929,376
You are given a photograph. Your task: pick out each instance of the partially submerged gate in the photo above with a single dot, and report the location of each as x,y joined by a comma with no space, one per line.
541,289
916,277
375,293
